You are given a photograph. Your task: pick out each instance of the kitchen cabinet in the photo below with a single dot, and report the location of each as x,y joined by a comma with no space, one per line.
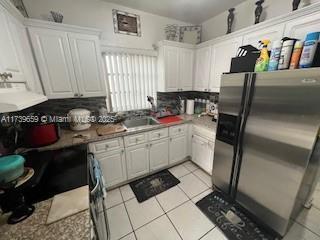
137,158
86,55
272,33
177,148
10,61
202,72
70,63
202,153
54,60
175,66
113,166
300,27
158,153
221,55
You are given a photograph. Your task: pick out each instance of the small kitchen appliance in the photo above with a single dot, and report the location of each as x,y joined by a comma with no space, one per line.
79,119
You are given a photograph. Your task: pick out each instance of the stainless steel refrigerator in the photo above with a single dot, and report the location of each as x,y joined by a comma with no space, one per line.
267,150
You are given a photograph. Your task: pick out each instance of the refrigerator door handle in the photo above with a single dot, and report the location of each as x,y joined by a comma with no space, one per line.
246,111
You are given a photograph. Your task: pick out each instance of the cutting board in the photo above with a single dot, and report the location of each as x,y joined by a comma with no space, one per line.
110,129
169,119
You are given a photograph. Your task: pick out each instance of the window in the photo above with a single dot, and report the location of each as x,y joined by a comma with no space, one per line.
131,78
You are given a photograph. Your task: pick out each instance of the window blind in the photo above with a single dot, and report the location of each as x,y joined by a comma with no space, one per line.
131,78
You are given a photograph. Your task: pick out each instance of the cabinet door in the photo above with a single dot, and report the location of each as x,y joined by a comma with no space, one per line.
272,33
171,56
177,148
113,166
222,53
201,153
54,60
87,61
201,79
298,28
10,61
186,62
137,160
159,154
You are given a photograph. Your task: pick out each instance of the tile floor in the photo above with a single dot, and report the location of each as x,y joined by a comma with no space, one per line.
173,215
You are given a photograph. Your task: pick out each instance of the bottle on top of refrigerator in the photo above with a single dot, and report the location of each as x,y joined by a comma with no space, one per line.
263,60
309,49
286,51
296,54
275,56
203,105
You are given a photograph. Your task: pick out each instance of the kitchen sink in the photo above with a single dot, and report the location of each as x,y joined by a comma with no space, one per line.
140,122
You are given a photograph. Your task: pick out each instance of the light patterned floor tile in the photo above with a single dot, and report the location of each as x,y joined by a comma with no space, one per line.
201,195
127,192
310,218
142,213
205,177
190,222
172,198
113,198
159,229
190,166
215,234
179,171
119,222
298,232
192,185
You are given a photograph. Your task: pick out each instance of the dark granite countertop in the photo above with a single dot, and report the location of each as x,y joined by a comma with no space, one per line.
75,227
70,138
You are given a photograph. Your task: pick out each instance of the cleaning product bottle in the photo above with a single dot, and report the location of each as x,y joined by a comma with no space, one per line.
275,55
263,61
309,49
286,52
296,54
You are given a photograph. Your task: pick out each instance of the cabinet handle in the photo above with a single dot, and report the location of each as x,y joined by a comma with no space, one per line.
107,146
122,151
170,139
4,76
81,95
159,134
179,129
147,145
150,145
76,94
137,139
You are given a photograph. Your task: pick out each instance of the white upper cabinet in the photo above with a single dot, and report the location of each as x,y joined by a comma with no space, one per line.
272,33
171,59
300,27
86,54
70,63
221,56
186,61
175,66
202,74
10,59
54,60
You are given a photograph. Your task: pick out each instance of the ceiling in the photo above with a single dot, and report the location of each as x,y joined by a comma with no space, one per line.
191,11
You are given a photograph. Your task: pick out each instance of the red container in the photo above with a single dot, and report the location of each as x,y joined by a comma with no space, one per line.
42,134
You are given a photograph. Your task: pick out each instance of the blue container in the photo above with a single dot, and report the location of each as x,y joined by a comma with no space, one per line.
309,49
11,167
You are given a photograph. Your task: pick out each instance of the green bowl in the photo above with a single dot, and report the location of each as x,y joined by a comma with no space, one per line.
11,167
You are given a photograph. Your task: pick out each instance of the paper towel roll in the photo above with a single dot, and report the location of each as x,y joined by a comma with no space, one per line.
190,106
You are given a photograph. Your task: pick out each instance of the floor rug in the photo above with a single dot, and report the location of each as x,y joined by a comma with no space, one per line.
150,186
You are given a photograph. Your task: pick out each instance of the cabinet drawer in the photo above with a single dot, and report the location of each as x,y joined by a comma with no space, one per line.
107,145
135,139
178,130
158,134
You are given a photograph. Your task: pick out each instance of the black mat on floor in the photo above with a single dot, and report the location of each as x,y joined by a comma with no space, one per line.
150,186
215,206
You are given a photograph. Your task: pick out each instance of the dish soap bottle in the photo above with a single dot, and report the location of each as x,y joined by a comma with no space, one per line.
263,61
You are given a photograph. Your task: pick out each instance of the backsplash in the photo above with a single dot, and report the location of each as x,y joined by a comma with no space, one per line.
165,99
60,107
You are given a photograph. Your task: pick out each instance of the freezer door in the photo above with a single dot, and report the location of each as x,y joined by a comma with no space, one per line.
279,136
231,100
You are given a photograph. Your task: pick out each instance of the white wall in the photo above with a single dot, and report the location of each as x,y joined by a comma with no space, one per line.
244,16
98,14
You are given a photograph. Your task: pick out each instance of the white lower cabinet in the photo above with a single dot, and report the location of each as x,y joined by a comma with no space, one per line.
159,156
202,153
177,148
137,158
113,166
